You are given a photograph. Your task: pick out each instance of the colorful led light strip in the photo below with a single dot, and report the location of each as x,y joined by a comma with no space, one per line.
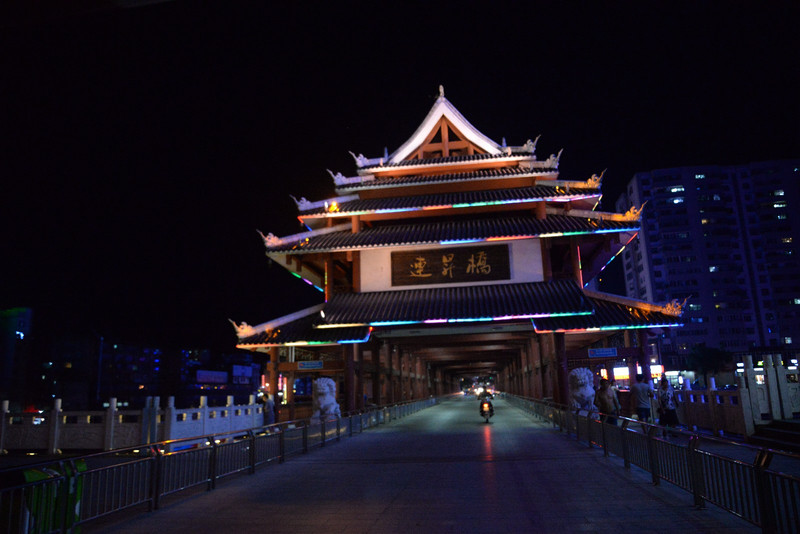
309,282
612,258
453,206
481,319
605,328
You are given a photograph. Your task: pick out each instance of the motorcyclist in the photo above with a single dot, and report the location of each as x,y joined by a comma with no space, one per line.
485,401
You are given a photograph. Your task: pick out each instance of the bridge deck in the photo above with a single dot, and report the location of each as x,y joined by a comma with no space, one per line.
440,470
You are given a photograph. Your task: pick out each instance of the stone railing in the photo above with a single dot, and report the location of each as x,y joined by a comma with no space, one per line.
755,401
57,430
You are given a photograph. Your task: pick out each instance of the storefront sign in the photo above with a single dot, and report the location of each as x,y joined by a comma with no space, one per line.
450,265
315,364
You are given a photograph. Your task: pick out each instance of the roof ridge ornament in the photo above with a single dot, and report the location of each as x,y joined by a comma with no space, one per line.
530,146
441,91
361,161
552,161
303,204
674,307
243,330
270,240
595,181
338,178
634,214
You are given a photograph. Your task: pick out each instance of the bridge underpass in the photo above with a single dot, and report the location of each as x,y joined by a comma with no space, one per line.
440,470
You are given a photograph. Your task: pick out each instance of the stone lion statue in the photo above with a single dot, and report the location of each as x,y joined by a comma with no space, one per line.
581,389
324,403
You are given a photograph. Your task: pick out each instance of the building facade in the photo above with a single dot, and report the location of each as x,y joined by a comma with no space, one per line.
454,256
724,240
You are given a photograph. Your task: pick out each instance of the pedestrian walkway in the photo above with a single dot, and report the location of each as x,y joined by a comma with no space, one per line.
440,470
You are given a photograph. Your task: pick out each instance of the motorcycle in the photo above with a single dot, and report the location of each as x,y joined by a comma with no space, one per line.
487,410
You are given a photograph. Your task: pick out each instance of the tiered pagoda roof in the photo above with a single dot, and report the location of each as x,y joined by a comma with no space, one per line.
449,185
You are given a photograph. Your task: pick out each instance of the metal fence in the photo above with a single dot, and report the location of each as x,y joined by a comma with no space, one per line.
60,496
739,478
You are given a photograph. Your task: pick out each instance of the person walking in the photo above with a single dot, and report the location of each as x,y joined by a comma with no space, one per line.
607,402
641,393
667,405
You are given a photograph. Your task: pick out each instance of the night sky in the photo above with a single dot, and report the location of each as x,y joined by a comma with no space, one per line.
142,148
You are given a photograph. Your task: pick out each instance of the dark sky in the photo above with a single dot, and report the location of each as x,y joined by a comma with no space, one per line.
143,147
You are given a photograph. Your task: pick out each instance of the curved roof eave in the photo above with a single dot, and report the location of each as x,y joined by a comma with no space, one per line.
443,108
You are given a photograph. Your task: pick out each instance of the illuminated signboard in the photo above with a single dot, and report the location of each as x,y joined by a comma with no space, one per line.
450,265
314,364
603,353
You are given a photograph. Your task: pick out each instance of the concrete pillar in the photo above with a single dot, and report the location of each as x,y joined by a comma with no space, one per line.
110,424
169,422
204,412
784,391
55,428
746,406
4,414
154,419
771,380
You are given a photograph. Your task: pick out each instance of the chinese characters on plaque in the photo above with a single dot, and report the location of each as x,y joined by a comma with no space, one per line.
450,265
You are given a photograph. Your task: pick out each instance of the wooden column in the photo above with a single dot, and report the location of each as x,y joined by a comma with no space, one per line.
560,360
377,374
641,338
575,254
547,268
401,394
525,354
391,376
272,373
290,394
349,393
359,360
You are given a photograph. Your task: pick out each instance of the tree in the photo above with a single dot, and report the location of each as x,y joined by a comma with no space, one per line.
705,360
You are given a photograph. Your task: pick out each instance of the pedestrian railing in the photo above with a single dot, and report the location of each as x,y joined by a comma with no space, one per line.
60,496
737,477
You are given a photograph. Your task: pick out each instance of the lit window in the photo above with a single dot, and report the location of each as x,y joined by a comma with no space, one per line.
699,176
703,221
712,268
786,240
787,340
781,216
676,189
677,200
716,197
779,205
697,307
778,193
797,301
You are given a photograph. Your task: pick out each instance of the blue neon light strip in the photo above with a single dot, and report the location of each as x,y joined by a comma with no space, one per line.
392,323
461,241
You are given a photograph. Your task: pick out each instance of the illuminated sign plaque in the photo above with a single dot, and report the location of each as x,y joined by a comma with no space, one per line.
450,265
